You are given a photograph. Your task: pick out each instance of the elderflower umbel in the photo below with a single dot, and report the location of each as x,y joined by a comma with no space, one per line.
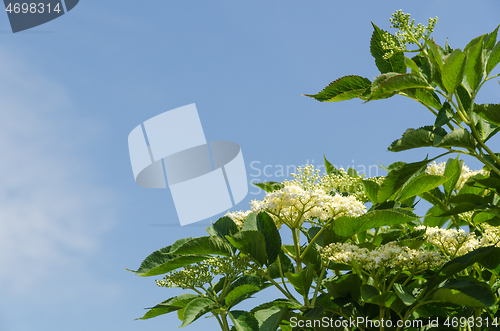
340,183
450,241
438,169
199,274
389,255
292,205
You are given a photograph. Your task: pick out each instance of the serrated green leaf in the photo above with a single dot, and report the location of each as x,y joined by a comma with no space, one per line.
397,177
436,54
397,82
490,112
494,58
458,138
348,226
263,223
422,137
169,305
453,70
404,294
424,67
421,184
465,293
484,128
396,63
197,308
347,285
344,88
244,321
250,242
225,226
371,189
301,281
270,319
239,291
460,263
269,186
474,66
204,245
161,262
444,116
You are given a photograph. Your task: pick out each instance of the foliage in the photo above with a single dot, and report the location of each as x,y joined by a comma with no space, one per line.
358,251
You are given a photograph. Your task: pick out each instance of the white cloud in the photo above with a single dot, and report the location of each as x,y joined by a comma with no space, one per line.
51,215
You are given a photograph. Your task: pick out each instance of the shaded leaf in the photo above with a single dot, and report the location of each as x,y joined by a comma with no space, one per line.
301,281
240,291
263,223
458,138
395,83
490,112
396,63
465,293
250,242
244,321
197,308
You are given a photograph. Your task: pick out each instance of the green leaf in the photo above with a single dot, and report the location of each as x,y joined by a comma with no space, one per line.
425,96
421,184
347,285
169,305
465,293
204,245
421,137
368,292
444,116
424,67
348,226
395,83
484,128
491,39
460,263
250,242
397,177
239,292
458,138
225,226
432,219
263,223
453,70
474,66
330,169
437,54
490,112
269,186
371,189
494,59
344,88
301,281
197,308
270,319
404,294
161,261
244,321
452,171
396,63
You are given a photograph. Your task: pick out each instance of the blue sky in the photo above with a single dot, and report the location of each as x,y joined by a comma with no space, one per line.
71,216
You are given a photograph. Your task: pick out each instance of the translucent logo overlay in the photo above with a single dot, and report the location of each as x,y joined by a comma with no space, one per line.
205,179
26,14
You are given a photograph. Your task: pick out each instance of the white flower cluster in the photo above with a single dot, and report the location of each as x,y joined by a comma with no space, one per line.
389,255
451,242
438,169
238,217
491,235
292,205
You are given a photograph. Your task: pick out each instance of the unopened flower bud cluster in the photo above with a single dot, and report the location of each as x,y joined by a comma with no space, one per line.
407,33
198,274
389,255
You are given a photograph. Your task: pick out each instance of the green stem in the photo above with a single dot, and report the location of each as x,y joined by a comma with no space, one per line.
289,296
224,321
477,315
219,320
282,277
296,244
318,285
